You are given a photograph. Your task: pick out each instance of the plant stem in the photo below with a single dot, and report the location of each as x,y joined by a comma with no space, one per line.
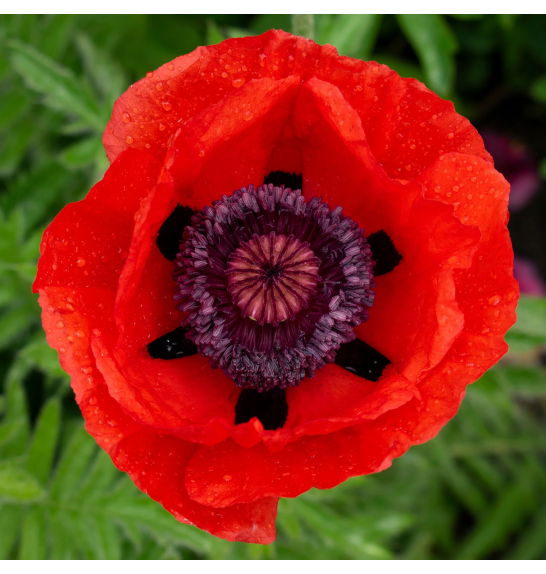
303,25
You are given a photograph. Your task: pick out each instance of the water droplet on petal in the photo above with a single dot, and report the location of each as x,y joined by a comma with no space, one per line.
495,300
201,153
237,83
159,86
62,350
166,106
60,325
126,118
224,75
161,127
80,262
129,139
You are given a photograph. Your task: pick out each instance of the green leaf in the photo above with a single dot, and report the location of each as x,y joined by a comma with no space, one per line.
16,485
14,146
106,75
504,518
16,413
402,67
42,447
352,34
33,542
72,466
82,153
12,106
214,35
14,321
62,90
11,517
538,89
531,312
435,45
56,35
467,17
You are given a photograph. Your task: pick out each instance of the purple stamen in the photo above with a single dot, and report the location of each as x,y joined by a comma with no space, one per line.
272,285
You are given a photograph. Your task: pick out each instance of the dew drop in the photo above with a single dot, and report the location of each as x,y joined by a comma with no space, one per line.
129,139
166,106
201,153
79,334
171,67
358,88
455,188
159,86
495,300
227,477
450,136
62,350
149,74
126,118
224,75
161,127
54,266
147,146
80,262
238,82
60,325
93,401
96,332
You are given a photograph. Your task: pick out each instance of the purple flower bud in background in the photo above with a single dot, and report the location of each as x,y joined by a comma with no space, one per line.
513,160
528,276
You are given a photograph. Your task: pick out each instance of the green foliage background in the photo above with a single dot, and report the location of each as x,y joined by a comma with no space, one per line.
478,490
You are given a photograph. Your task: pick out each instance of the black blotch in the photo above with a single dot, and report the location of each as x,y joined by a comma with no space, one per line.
173,345
383,253
270,407
361,359
170,233
291,180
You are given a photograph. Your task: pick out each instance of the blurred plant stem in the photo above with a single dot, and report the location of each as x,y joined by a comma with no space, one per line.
303,25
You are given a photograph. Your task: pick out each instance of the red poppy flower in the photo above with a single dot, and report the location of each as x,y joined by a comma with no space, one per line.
218,327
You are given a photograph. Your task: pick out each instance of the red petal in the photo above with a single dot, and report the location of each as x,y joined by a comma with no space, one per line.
152,109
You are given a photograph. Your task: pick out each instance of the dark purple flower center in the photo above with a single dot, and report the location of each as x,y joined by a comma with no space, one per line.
272,285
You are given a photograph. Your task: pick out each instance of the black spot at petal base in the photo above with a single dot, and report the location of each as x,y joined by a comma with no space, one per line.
173,345
170,233
383,253
270,407
291,180
362,360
